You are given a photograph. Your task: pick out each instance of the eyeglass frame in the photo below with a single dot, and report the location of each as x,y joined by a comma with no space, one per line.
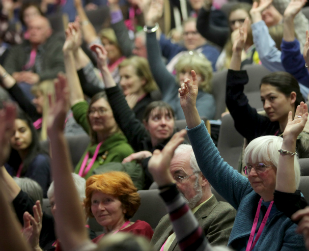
185,177
258,171
101,111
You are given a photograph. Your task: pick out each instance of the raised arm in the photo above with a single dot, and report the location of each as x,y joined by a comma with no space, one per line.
10,85
291,11
300,21
217,35
76,93
69,216
133,129
227,182
11,238
285,179
163,78
89,32
291,57
120,29
269,54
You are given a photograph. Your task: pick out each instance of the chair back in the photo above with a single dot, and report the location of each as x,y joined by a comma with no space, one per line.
304,186
152,207
77,146
304,166
218,91
230,142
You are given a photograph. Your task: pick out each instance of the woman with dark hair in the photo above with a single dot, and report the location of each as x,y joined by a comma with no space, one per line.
108,144
280,94
27,158
158,122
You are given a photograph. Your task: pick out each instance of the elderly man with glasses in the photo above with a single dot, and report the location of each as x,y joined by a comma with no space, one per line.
216,218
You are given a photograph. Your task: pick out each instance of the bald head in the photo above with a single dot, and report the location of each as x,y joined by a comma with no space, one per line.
39,30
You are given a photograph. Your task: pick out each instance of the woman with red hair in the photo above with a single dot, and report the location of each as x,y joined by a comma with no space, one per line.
112,199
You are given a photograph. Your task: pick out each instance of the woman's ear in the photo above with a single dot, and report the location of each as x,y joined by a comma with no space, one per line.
293,97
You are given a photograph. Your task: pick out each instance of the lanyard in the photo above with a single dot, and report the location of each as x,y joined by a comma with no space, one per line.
37,124
82,171
31,62
19,170
114,65
123,226
276,133
256,218
162,248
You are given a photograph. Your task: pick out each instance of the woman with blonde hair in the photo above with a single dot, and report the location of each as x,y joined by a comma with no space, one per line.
37,110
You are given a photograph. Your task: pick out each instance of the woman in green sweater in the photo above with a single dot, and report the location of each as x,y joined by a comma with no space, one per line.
108,144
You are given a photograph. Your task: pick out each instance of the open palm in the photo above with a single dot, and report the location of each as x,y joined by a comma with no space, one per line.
294,7
59,107
188,92
296,126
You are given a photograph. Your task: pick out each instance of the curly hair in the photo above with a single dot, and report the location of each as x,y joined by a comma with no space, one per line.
117,184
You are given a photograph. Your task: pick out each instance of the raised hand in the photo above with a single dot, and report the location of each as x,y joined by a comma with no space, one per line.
154,13
72,38
303,225
137,156
113,5
240,40
258,8
159,164
32,226
296,126
306,49
7,118
294,7
59,107
188,92
101,53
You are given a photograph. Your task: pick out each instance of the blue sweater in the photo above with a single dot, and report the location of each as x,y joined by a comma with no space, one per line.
279,232
293,61
170,50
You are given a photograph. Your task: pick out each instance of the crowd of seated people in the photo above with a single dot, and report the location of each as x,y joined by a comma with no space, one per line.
122,89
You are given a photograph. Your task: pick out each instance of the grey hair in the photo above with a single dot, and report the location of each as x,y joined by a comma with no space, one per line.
141,34
30,187
266,148
185,149
80,184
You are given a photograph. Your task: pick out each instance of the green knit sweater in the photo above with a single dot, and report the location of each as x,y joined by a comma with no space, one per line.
114,149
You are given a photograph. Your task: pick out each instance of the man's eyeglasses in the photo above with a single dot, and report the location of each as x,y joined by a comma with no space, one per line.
180,178
259,168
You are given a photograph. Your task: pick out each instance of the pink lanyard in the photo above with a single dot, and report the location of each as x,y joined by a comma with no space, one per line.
37,124
162,248
256,219
31,60
19,170
276,133
123,226
83,173
114,65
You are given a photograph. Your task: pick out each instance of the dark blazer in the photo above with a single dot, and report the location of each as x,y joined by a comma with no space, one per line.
216,219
